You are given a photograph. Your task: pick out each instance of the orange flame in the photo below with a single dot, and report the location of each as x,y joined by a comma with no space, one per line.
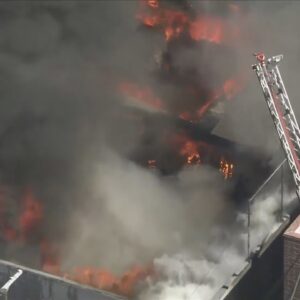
187,148
102,279
208,29
229,90
226,168
174,22
30,220
190,151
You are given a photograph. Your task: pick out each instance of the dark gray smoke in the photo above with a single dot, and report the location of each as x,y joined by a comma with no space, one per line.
59,66
271,28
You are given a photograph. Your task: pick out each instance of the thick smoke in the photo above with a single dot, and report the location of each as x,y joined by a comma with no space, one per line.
133,215
192,277
271,28
59,64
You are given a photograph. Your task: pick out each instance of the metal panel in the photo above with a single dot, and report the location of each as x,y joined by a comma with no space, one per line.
35,285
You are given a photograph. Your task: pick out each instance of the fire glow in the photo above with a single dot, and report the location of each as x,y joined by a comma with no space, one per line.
27,230
190,151
102,279
174,23
229,89
28,221
226,168
143,95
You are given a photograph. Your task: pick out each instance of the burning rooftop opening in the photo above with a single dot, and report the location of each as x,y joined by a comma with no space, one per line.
120,158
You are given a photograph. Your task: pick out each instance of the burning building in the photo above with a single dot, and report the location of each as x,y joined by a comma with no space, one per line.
111,168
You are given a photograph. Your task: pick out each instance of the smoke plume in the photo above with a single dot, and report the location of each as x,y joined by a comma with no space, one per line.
62,133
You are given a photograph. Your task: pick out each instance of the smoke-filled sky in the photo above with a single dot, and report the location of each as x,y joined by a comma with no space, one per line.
272,25
60,62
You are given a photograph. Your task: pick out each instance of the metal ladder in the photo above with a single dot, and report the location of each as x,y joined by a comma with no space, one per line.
281,111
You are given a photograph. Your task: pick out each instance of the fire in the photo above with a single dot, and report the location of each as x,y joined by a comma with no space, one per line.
27,224
153,3
174,22
142,95
190,151
232,87
208,29
226,168
32,215
124,285
229,89
187,148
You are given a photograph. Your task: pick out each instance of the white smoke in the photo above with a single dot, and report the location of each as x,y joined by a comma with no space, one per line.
177,223
190,278
52,59
136,215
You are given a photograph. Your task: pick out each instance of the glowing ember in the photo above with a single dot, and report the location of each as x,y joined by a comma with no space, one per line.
226,168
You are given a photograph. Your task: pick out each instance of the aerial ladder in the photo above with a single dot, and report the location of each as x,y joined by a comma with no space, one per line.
281,111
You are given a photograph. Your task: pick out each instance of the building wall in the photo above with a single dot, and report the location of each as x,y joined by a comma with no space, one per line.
34,285
291,267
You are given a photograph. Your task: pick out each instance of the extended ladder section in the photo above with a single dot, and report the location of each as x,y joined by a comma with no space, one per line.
281,110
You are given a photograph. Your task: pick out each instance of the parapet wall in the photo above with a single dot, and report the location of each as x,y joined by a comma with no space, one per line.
35,285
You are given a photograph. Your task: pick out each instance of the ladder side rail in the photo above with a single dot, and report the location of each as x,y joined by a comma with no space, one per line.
273,78
274,113
272,67
286,102
277,122
289,117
